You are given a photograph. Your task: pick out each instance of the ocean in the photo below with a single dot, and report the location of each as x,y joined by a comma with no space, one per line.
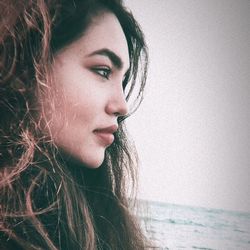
185,227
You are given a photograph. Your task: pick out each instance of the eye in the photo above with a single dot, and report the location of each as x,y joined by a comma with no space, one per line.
102,71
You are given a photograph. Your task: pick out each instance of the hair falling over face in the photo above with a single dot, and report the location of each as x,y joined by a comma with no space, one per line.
48,200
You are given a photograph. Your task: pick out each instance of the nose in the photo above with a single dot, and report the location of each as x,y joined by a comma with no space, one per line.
117,104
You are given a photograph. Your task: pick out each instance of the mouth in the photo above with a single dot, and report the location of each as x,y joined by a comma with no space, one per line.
106,135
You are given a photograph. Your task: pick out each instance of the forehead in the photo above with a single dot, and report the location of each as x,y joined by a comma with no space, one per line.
104,31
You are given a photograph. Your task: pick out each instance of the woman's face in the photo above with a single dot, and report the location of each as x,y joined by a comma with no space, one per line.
88,76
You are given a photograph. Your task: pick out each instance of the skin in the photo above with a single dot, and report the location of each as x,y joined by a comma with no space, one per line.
88,76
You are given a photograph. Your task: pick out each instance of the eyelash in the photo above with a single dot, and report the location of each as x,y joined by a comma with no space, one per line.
102,71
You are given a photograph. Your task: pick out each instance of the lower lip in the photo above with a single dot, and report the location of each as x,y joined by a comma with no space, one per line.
105,138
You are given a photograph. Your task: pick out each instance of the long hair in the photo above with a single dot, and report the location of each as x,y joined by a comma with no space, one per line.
48,200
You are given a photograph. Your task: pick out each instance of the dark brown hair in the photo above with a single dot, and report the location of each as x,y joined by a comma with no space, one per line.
48,201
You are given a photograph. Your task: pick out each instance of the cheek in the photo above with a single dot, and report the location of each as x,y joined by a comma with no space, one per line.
75,111
78,98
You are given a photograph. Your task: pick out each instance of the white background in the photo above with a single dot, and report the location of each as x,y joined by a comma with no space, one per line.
192,130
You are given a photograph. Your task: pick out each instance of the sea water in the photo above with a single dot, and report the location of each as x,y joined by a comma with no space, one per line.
184,227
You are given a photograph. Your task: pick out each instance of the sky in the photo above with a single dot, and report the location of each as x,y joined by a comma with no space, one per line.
192,130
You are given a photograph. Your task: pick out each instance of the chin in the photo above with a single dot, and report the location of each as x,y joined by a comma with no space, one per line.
93,165
92,162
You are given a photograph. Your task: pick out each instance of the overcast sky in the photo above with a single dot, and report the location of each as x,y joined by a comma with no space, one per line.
192,130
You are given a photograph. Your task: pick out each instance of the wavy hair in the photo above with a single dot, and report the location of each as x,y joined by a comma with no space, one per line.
48,201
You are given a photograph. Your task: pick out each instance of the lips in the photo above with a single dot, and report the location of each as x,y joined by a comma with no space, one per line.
105,135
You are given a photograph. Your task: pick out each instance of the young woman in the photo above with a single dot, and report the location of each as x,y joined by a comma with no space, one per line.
67,72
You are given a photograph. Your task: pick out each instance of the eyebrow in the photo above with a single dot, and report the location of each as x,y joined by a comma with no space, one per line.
115,59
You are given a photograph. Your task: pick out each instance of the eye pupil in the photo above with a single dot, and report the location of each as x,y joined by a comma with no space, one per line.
103,72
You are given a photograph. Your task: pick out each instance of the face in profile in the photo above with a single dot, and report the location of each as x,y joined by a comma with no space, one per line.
89,73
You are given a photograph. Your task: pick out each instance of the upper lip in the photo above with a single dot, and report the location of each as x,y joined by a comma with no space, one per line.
111,129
